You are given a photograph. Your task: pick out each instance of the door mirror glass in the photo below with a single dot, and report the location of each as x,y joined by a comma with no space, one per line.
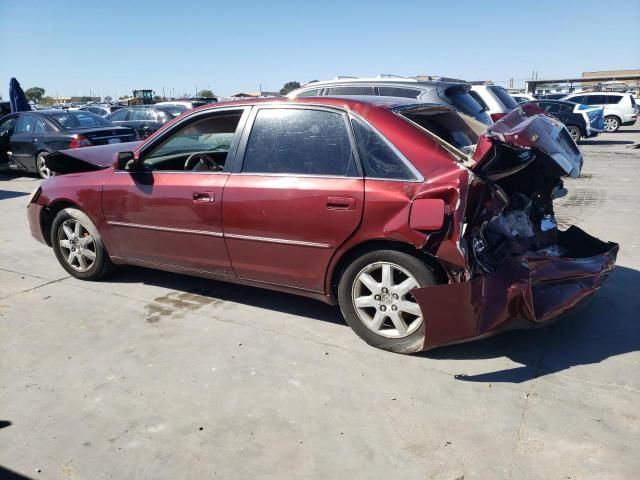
124,161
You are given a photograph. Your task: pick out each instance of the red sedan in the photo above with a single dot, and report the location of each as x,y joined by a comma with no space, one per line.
423,227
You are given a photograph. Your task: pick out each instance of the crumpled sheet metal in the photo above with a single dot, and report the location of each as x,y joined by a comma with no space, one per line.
525,289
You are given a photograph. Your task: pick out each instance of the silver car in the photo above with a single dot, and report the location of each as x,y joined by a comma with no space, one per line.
453,94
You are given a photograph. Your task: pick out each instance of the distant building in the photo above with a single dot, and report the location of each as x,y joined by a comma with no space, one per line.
256,94
604,80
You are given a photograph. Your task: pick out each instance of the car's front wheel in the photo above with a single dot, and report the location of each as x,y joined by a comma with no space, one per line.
611,124
375,298
41,165
78,245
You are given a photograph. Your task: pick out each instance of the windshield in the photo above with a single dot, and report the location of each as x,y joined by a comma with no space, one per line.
506,99
78,119
174,110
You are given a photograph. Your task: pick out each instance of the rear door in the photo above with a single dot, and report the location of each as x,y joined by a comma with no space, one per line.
294,199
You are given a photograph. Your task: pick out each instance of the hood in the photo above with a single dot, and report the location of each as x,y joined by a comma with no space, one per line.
88,158
525,133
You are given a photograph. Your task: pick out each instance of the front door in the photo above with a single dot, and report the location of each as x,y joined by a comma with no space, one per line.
24,141
166,211
7,127
295,199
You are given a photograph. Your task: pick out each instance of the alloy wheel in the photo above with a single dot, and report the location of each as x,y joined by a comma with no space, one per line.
43,170
610,124
383,302
77,245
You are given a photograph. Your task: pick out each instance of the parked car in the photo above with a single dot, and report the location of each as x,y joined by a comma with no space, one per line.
5,108
523,97
145,119
102,110
440,92
26,138
581,121
619,108
494,99
380,205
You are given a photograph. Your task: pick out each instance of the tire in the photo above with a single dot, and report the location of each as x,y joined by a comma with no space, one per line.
611,124
41,166
78,245
575,133
379,312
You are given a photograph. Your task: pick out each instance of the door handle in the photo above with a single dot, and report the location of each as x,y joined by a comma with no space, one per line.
340,203
204,197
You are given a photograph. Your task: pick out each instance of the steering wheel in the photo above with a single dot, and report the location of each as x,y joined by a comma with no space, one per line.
207,162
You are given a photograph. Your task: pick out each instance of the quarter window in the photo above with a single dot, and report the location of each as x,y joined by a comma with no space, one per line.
398,92
613,99
310,93
39,128
299,142
355,90
378,158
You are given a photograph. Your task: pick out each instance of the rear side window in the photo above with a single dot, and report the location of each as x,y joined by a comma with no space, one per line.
473,94
26,124
299,142
398,92
355,90
595,99
613,99
506,99
39,128
119,116
378,158
449,126
140,114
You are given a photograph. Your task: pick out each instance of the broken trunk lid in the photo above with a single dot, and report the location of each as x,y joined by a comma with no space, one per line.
86,159
528,129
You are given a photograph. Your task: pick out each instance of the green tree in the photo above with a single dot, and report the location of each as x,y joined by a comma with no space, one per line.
47,101
107,99
34,93
85,99
288,87
206,93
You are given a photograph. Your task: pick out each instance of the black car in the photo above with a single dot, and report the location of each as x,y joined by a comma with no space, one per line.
26,138
577,122
552,96
145,119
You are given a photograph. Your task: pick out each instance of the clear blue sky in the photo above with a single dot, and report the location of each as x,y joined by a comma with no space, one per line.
114,46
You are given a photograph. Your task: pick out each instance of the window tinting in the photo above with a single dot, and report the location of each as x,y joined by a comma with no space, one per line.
26,124
595,99
355,90
478,99
577,99
612,99
398,92
297,141
39,128
378,158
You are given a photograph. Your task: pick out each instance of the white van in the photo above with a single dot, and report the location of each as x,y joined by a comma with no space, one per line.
619,108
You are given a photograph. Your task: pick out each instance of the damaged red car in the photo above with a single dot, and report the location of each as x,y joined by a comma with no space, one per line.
424,228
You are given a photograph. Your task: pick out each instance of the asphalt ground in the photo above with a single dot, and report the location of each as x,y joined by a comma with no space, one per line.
152,375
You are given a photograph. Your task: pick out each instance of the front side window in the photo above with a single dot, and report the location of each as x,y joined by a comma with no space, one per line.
299,142
201,145
379,159
26,124
8,125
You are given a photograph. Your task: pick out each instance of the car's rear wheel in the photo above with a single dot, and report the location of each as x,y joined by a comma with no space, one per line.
575,133
376,301
43,170
611,123
78,245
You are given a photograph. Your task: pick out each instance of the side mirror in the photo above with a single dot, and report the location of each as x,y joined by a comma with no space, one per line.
4,133
123,161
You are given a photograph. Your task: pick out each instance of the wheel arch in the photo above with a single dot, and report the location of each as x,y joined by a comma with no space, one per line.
347,257
49,213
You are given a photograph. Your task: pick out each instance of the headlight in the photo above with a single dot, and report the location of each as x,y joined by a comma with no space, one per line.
34,195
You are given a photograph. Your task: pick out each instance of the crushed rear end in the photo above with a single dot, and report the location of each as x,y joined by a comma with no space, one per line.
509,266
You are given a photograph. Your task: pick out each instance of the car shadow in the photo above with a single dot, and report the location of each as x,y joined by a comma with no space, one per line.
606,327
252,296
606,142
6,194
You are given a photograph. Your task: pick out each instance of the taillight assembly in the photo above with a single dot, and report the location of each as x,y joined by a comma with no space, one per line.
497,116
80,141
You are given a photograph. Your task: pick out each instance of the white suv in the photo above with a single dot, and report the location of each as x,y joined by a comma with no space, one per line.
619,108
494,99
